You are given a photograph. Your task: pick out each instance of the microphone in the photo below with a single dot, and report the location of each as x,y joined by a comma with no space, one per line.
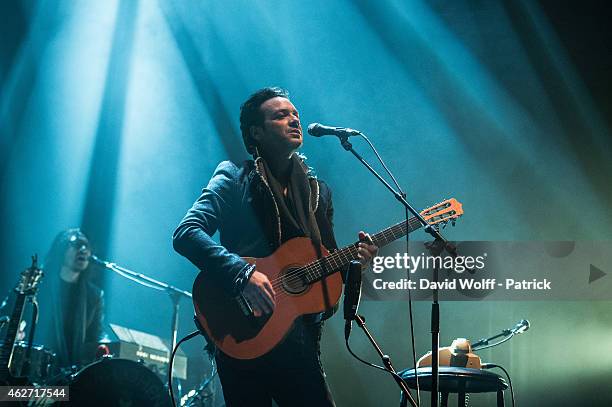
319,130
352,294
96,260
521,327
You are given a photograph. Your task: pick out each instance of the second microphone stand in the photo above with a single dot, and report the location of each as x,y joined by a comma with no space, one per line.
175,294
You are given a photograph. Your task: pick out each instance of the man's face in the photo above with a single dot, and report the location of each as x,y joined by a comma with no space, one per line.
281,133
77,255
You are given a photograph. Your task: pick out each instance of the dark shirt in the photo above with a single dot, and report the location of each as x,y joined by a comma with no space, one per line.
69,299
77,320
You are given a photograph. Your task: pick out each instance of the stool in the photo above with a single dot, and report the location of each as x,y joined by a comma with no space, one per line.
458,380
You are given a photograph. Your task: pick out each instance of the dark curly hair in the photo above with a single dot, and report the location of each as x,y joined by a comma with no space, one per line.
251,115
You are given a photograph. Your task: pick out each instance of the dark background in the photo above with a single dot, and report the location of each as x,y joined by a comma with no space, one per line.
113,115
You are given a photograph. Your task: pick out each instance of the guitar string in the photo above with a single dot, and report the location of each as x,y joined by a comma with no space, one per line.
413,224
335,260
312,270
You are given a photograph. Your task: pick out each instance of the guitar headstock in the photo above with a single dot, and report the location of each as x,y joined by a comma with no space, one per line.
443,212
30,278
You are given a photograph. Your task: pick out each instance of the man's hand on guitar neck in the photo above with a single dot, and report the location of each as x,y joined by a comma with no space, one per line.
366,249
259,294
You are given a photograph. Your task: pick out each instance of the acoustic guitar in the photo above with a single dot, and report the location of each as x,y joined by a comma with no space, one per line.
304,284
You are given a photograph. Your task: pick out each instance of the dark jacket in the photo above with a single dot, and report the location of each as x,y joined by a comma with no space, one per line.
239,203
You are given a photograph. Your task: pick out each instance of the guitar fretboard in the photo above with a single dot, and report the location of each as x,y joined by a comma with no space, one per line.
339,259
11,334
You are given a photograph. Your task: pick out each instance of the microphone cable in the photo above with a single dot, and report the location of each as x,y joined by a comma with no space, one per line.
492,365
410,313
171,363
395,375
197,397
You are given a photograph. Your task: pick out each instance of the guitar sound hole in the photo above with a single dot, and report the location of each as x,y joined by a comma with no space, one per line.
293,282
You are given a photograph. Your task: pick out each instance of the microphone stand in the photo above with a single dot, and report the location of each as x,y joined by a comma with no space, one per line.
385,359
175,294
440,243
485,342
507,334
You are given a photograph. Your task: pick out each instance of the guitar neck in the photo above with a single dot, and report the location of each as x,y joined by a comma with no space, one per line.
11,335
341,258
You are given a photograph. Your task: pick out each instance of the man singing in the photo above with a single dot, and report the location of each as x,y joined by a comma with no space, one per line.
256,207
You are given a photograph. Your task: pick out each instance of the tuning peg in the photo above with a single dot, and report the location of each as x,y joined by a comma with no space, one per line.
453,222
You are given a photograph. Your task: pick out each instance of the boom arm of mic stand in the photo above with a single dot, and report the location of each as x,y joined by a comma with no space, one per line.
427,227
156,283
485,342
